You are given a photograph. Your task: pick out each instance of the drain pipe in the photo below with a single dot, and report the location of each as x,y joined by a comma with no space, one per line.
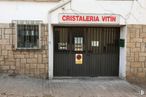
50,40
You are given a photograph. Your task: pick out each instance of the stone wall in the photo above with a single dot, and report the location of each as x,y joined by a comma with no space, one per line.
26,62
136,53
34,63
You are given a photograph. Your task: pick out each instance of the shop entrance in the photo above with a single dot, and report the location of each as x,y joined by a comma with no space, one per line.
86,51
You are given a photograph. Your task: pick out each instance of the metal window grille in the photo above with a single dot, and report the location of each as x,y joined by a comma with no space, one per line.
28,34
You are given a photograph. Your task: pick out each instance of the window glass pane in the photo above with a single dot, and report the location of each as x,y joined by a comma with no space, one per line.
27,36
78,43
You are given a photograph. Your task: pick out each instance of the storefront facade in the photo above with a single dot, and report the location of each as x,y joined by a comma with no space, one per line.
72,40
98,40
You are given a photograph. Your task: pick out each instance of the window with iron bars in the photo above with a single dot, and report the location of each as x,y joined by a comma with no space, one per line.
28,35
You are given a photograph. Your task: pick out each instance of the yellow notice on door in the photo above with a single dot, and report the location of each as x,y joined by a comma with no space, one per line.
79,58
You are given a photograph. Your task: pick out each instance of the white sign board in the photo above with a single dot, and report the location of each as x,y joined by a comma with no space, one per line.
88,19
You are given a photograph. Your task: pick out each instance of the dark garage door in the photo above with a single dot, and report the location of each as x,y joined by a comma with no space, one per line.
96,48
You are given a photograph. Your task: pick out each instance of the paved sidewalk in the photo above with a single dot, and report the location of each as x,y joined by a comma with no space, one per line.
21,86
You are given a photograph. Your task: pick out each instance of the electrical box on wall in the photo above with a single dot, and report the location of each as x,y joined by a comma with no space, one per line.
122,43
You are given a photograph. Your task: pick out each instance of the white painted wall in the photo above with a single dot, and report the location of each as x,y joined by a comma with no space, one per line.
122,57
133,11
24,11
119,7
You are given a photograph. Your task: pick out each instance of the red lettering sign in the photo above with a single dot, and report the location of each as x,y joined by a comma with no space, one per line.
82,18
79,18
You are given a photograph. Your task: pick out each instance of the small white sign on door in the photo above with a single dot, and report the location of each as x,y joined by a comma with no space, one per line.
95,43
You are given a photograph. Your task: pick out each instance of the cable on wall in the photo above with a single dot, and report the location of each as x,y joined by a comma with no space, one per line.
124,17
130,11
140,4
71,9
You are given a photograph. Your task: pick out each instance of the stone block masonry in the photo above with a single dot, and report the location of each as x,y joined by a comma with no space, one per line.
136,53
34,63
26,62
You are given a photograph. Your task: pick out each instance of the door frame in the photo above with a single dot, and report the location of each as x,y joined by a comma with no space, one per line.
122,54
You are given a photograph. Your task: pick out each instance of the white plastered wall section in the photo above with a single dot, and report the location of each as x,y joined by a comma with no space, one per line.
122,57
19,10
24,10
130,11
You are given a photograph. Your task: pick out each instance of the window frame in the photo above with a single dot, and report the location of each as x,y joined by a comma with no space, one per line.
29,22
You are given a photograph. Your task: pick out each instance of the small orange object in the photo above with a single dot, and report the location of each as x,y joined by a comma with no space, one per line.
79,58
